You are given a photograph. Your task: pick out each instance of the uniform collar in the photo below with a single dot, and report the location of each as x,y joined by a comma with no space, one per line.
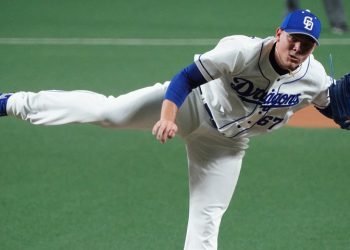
274,63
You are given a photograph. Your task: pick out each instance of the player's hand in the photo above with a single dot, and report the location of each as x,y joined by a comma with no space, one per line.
164,130
166,127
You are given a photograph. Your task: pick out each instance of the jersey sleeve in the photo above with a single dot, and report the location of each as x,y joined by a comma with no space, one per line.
183,83
322,100
226,58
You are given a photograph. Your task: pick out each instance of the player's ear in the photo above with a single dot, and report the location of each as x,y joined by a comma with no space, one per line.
278,34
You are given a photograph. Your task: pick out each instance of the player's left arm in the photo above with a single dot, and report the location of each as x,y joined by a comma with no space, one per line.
339,102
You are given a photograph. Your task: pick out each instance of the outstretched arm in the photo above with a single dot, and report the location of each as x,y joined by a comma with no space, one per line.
179,88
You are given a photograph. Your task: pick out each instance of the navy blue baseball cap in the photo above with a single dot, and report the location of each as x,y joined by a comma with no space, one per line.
302,22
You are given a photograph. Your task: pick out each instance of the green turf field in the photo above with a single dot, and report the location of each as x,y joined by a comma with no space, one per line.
82,187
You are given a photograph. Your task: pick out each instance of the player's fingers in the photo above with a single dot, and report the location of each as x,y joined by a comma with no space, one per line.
160,133
164,130
159,130
155,128
172,132
165,134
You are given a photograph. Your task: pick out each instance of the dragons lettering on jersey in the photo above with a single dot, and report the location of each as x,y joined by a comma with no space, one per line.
247,92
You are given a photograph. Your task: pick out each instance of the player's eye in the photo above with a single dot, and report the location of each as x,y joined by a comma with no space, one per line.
292,38
306,47
306,43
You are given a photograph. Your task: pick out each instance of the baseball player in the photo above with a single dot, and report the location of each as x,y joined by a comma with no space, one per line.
243,87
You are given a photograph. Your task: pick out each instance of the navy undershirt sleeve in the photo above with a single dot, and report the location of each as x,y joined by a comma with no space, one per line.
183,83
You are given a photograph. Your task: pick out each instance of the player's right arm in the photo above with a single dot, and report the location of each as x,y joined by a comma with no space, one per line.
179,88
225,57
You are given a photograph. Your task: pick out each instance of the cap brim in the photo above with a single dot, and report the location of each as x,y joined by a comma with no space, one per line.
291,31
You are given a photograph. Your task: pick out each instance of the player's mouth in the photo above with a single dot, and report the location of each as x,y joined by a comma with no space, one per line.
294,59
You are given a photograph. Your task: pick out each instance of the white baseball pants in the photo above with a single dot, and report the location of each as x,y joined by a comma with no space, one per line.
214,160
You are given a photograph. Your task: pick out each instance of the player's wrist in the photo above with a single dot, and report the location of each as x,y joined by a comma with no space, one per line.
169,111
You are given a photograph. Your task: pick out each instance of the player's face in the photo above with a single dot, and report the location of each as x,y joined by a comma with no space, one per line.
292,49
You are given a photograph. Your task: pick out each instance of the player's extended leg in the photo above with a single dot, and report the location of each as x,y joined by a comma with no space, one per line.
138,109
214,167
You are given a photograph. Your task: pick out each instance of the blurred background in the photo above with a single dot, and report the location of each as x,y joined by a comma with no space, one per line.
83,187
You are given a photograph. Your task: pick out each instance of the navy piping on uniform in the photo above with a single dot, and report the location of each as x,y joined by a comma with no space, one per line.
240,132
295,80
269,83
308,65
200,61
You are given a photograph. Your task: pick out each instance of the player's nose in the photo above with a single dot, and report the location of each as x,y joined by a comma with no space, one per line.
297,46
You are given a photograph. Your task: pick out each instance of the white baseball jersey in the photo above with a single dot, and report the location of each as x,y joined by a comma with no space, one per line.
246,96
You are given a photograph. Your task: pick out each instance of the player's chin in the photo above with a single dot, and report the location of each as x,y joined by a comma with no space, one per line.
295,62
291,65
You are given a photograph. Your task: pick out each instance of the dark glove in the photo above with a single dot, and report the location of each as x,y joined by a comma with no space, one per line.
339,93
